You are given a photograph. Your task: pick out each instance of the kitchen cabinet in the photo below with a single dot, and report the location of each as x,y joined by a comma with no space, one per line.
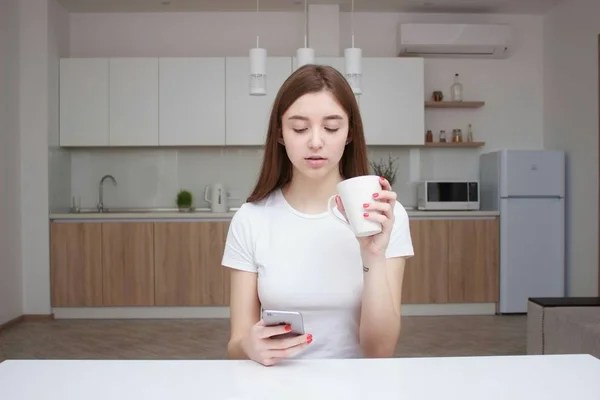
426,273
178,263
84,102
133,102
392,101
129,264
247,116
338,63
456,261
473,261
205,101
192,101
76,264
188,264
335,62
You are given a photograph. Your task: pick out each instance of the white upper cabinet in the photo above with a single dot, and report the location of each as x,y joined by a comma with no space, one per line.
84,102
133,102
337,63
247,116
392,101
192,101
205,101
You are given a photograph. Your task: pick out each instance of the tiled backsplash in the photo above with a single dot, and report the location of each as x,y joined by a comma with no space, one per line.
152,177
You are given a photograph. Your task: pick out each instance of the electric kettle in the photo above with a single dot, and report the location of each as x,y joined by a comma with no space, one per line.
218,197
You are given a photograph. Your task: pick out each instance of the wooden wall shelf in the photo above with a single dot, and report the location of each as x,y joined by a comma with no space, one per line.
454,104
463,145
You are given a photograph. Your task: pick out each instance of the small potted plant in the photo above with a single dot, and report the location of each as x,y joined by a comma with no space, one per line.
184,200
386,169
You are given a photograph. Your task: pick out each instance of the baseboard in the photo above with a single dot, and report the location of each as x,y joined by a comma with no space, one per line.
26,318
11,323
37,317
223,312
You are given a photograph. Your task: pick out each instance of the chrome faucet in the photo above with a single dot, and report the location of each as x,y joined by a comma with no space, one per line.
101,191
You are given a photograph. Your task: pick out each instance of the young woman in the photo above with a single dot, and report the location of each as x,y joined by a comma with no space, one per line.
286,252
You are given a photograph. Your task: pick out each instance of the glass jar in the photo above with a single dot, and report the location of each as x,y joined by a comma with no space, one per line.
442,136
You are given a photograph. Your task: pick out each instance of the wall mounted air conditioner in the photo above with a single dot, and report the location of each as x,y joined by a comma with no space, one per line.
454,40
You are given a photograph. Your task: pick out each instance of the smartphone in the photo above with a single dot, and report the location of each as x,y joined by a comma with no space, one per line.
291,318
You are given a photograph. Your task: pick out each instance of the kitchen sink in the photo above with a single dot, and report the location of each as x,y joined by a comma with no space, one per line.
120,211
142,211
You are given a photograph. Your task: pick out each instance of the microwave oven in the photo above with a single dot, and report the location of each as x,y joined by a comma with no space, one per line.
448,195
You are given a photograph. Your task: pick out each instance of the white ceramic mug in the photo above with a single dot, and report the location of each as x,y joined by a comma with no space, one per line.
355,192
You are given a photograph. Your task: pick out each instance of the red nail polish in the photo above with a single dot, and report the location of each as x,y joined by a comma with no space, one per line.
288,328
309,338
375,195
365,205
366,214
382,178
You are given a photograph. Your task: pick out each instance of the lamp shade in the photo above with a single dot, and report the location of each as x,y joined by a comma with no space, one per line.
353,58
305,55
258,71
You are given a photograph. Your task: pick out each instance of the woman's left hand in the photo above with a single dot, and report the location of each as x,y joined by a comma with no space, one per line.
375,246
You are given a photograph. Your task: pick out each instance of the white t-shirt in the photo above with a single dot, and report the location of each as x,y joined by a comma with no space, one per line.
308,263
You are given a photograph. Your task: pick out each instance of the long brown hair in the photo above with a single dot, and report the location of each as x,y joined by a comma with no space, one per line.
276,170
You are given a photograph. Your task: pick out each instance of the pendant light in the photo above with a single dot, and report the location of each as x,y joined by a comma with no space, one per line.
353,58
305,55
258,65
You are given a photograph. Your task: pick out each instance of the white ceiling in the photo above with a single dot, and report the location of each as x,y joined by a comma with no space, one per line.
441,6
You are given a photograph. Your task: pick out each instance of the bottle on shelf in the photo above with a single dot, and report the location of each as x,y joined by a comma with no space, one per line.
456,90
470,133
429,136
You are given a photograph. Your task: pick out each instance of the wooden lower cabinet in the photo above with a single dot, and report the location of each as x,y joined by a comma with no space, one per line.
129,264
76,264
179,263
455,261
188,264
426,273
473,261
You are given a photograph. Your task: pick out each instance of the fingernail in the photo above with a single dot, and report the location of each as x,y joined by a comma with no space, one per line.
365,205
309,338
288,328
375,195
382,178
366,214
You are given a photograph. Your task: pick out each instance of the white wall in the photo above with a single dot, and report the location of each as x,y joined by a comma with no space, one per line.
571,32
34,156
11,287
512,89
59,160
44,34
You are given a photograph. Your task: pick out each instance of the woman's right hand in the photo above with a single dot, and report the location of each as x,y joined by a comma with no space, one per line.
263,345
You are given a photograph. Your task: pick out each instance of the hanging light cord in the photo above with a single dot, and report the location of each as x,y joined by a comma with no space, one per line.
305,23
257,25
352,23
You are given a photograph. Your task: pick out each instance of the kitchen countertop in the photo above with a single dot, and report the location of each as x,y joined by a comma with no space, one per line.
206,214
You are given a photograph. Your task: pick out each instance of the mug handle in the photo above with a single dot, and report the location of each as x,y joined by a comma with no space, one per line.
330,210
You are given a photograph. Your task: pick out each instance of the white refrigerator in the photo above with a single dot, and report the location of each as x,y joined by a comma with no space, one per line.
528,188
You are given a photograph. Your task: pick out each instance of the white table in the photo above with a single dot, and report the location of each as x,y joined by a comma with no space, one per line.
560,377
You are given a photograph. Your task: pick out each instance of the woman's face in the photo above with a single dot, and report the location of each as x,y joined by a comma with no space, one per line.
315,130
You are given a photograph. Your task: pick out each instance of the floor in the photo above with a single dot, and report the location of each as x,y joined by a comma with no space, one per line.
207,338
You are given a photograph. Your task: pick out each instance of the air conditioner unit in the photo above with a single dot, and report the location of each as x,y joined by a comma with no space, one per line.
454,40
